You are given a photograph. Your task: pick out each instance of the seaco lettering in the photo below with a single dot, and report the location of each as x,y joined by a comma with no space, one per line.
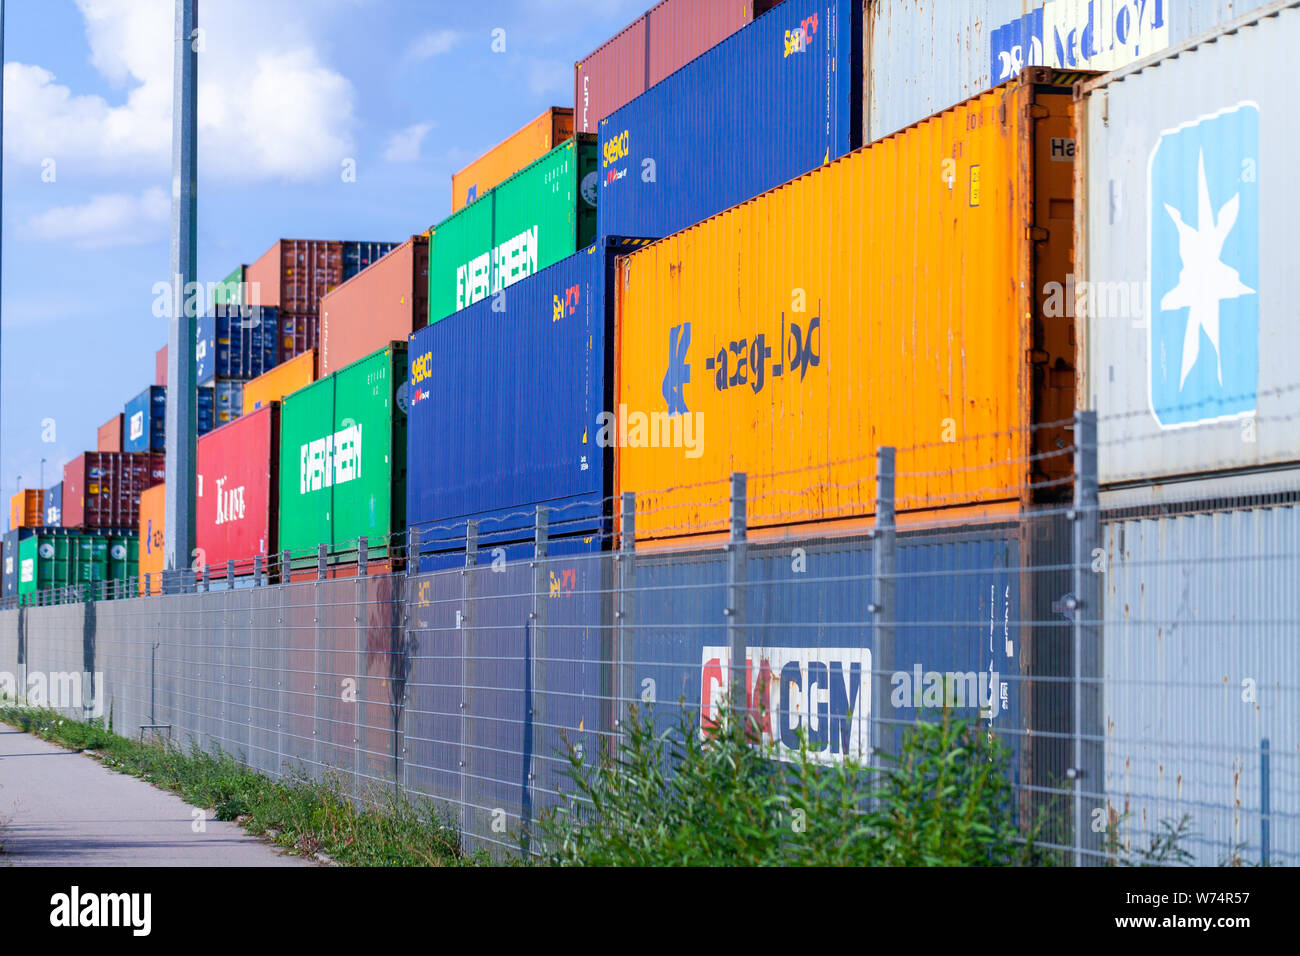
823,694
504,265
332,460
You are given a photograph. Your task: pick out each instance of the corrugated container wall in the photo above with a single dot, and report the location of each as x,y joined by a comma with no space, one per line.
385,303
284,379
160,366
228,402
534,219
343,460
1195,605
102,489
25,508
109,435
359,255
925,55
521,438
10,556
767,104
1190,348
236,489
146,420
512,154
230,290
662,40
236,342
152,513
53,506
757,335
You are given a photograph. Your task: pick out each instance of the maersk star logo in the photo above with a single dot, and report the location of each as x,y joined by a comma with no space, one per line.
1204,261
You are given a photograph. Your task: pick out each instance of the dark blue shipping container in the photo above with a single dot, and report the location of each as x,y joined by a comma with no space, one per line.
771,102
10,576
53,507
206,412
236,342
361,255
145,421
227,402
493,693
503,407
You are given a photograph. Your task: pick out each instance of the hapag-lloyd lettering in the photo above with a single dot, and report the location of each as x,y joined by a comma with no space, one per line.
501,266
332,460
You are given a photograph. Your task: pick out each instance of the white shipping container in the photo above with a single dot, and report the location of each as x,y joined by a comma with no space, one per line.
1186,250
923,56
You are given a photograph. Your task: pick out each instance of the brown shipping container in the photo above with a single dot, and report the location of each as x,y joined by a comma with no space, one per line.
294,273
109,435
102,489
152,509
299,333
511,155
384,303
160,366
884,299
659,42
26,509
284,379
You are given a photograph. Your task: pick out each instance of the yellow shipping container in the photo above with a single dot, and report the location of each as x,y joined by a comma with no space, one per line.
152,510
25,509
511,155
287,377
887,298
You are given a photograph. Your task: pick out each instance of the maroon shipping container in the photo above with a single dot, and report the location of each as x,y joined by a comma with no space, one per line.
661,41
236,490
109,435
299,332
160,366
386,302
102,489
294,273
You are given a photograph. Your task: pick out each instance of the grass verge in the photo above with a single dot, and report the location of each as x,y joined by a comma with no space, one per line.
301,815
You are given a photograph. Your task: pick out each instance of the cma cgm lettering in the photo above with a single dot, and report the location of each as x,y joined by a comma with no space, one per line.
822,695
774,100
532,220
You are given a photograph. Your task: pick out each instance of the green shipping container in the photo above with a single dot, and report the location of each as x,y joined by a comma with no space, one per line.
343,461
230,290
59,559
542,214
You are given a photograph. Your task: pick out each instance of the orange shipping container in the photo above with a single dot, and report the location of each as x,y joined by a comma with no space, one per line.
287,377
384,303
884,299
109,435
152,509
25,509
511,155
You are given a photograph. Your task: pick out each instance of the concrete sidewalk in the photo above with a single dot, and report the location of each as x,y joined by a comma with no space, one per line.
59,808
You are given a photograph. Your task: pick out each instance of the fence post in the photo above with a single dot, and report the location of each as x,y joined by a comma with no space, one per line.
207,578
284,566
735,609
625,648
409,646
148,584
1086,771
320,561
469,582
884,568
363,556
230,574
541,540
257,570
1265,802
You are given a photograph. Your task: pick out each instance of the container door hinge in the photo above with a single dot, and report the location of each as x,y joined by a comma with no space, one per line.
1037,234
1038,112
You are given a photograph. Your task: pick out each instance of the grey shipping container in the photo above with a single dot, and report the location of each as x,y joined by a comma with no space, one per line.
1185,238
923,56
1200,694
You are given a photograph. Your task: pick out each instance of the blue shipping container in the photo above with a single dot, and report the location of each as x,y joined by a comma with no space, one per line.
206,411
236,342
53,508
228,402
361,255
504,399
145,421
772,101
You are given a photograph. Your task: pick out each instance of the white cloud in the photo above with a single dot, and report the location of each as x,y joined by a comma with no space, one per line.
404,145
433,43
268,107
113,219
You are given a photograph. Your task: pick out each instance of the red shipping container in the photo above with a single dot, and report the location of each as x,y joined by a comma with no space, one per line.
294,273
109,435
384,303
160,366
661,41
102,489
236,489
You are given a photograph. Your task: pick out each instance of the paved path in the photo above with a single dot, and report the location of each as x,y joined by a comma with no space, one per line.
59,808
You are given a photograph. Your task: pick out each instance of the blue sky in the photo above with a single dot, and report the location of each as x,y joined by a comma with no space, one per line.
409,89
